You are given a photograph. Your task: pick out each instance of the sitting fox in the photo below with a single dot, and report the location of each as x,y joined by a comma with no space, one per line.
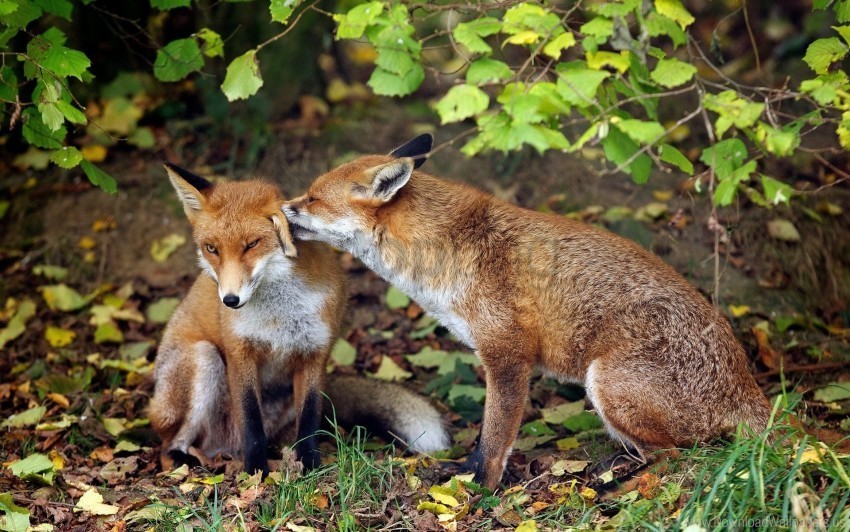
528,290
242,361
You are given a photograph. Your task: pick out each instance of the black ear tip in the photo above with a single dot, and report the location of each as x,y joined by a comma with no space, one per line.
195,180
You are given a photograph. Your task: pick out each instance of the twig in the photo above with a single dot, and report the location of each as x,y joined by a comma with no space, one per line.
752,37
287,30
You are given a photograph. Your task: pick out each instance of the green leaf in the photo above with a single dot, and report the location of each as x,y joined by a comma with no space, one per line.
658,25
71,113
60,8
99,178
142,137
577,84
530,17
487,71
243,77
520,104
782,229
164,5
619,148
725,157
354,23
834,391
470,34
776,192
37,133
822,53
343,353
556,415
51,116
213,44
844,31
777,141
281,10
582,422
826,88
178,59
22,15
63,297
537,428
66,157
18,324
671,72
394,60
396,299
64,62
640,131
27,418
386,83
555,46
31,465
674,10
732,110
8,83
461,102
15,518
160,311
727,188
618,61
475,392
7,6
673,156
600,27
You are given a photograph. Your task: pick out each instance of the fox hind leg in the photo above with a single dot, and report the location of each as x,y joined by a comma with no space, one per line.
196,384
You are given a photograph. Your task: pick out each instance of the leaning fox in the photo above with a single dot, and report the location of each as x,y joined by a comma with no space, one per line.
242,360
524,289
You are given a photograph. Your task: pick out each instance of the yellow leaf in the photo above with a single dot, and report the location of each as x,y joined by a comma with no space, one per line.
565,444
58,337
662,195
89,257
57,459
92,502
527,526
94,153
103,224
390,371
114,425
523,37
163,248
588,493
811,456
434,507
739,310
443,496
59,399
86,242
618,61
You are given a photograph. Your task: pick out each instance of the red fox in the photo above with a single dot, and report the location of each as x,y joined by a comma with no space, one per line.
529,290
242,361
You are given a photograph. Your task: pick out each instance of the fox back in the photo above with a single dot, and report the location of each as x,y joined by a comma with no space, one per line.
661,366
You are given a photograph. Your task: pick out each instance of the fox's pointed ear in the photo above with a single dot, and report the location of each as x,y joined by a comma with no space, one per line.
188,187
387,179
282,228
417,149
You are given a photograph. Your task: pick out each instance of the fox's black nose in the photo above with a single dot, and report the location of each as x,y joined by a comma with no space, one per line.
231,300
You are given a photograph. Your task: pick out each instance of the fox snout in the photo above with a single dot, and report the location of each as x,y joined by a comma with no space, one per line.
231,300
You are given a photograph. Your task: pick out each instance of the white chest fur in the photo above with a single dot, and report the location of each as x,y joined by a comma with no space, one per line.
285,313
440,303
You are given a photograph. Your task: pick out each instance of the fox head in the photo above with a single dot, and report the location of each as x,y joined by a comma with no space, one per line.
239,232
340,207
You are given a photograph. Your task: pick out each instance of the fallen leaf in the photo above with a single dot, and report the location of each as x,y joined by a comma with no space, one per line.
108,333
161,310
834,391
527,526
92,502
768,356
16,518
565,444
58,337
739,310
649,485
396,298
343,353
26,418
101,225
18,324
59,399
662,195
86,243
568,466
558,414
162,248
390,371
54,273
63,297
784,230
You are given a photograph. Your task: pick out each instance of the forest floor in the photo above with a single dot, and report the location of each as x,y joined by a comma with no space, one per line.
89,281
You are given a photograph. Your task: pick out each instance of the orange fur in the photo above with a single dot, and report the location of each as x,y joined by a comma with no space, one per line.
530,290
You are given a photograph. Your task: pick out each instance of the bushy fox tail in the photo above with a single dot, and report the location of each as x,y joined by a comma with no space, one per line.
386,409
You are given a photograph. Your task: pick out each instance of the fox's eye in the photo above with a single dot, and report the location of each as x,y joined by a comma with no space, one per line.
252,244
310,199
212,249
